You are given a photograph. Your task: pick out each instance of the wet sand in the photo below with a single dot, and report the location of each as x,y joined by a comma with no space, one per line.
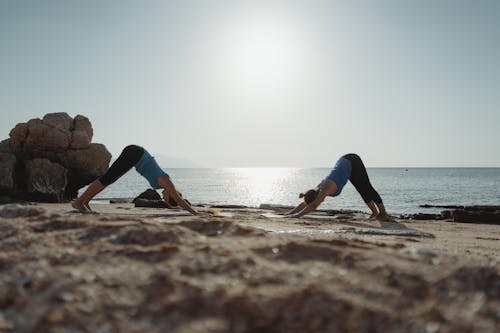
131,269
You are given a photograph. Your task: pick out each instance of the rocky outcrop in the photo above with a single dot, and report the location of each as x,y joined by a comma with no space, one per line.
150,203
149,194
82,133
477,214
422,216
150,198
50,159
45,179
85,165
7,165
464,214
44,136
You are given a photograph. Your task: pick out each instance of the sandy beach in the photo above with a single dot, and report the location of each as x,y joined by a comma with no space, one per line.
129,269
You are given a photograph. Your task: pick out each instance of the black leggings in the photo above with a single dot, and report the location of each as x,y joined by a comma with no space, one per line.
359,178
127,159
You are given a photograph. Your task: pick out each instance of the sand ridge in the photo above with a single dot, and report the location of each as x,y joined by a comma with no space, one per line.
130,269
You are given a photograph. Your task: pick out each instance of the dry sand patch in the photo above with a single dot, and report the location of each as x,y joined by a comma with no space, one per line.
138,271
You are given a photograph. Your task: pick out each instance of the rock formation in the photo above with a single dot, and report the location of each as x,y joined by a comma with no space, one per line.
464,214
477,214
50,159
150,198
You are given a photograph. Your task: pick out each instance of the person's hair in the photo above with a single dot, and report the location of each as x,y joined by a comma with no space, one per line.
309,196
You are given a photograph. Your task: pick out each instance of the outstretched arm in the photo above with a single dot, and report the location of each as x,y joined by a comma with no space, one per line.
312,206
327,188
299,207
169,190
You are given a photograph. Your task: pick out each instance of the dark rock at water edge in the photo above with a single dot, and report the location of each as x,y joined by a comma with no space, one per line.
151,198
477,214
441,206
466,214
482,208
422,216
149,203
50,159
149,194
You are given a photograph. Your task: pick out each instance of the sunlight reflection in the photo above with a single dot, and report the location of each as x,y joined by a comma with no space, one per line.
262,184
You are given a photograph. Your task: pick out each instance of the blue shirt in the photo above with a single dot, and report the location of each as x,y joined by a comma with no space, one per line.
149,169
340,174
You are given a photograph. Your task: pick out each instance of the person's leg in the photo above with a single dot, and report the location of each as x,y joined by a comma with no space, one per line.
374,199
373,208
360,180
127,159
82,203
383,213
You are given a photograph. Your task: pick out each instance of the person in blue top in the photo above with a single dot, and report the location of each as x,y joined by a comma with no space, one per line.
348,167
145,164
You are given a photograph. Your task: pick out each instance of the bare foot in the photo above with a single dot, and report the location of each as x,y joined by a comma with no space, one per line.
374,215
384,217
79,206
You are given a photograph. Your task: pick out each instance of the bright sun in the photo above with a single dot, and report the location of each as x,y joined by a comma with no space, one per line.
261,52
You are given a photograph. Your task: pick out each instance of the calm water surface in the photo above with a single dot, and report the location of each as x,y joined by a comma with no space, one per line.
402,190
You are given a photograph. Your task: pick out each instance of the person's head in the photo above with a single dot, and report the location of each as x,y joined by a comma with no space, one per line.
309,196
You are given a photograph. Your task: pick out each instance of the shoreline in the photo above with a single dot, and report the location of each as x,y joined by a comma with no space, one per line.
479,214
488,214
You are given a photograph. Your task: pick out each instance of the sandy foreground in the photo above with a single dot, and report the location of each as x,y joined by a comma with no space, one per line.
131,269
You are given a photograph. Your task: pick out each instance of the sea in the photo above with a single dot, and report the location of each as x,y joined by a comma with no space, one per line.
403,190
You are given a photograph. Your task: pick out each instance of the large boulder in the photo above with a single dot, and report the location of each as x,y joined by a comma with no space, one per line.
5,146
45,181
82,123
10,146
61,121
85,165
7,171
82,133
19,132
46,137
53,158
93,161
79,140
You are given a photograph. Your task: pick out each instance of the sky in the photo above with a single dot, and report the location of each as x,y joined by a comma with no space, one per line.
263,83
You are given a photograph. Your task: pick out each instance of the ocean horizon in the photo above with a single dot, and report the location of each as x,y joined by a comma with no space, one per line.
403,189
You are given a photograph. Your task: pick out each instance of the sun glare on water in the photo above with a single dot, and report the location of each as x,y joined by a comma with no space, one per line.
262,185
